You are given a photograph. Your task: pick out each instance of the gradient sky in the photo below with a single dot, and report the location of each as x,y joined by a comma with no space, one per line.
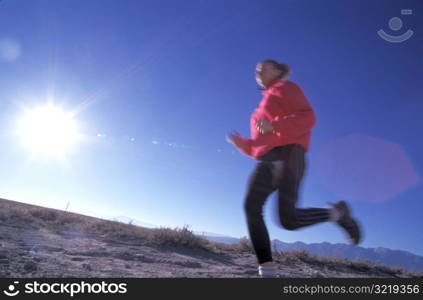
156,86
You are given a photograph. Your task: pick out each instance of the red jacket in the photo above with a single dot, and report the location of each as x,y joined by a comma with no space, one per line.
287,108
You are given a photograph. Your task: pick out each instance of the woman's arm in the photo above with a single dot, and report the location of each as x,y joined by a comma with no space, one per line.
243,144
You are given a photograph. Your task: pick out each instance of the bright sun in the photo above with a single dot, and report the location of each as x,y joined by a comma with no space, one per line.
48,130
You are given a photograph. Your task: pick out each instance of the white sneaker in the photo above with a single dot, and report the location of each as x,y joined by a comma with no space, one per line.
268,271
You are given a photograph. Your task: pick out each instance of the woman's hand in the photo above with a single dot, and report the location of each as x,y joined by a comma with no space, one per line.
264,126
236,139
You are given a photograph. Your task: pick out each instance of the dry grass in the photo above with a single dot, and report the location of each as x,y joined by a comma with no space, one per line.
61,221
178,237
359,264
244,245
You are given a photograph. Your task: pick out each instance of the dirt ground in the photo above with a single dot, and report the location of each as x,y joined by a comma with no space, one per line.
28,251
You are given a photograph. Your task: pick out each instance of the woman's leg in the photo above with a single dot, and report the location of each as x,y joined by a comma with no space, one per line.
258,189
290,176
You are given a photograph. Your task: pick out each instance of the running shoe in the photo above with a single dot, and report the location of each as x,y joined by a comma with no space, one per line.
349,224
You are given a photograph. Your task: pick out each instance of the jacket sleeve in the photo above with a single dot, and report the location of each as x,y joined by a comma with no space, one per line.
290,113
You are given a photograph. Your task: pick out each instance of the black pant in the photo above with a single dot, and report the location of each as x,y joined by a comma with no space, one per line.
282,169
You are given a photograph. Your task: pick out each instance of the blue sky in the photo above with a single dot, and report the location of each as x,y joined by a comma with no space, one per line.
154,87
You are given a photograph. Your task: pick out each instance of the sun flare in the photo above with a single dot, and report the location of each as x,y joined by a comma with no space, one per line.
48,130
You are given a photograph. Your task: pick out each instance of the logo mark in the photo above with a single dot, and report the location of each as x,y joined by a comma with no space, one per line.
11,290
395,24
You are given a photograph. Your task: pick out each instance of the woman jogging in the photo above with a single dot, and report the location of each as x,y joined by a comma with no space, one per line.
280,135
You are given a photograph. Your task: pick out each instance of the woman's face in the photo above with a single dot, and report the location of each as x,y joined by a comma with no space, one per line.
265,72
